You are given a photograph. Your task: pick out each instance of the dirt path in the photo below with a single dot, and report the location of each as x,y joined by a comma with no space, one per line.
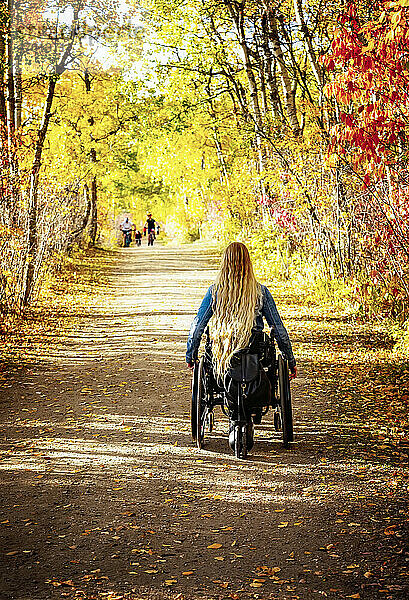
104,495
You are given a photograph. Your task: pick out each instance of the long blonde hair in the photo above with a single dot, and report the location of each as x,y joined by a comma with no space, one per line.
235,297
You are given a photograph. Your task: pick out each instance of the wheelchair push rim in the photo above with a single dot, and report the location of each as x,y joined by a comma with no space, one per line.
285,406
200,415
193,403
201,412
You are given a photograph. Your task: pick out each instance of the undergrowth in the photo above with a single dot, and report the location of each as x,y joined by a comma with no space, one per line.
66,283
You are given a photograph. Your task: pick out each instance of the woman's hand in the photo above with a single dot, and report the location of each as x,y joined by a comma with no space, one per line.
293,373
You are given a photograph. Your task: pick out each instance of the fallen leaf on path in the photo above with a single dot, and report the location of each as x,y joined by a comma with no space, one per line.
268,570
215,546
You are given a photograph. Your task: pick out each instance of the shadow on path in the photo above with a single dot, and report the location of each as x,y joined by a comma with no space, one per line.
104,494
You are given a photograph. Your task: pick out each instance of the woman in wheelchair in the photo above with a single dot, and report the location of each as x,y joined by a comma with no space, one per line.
238,304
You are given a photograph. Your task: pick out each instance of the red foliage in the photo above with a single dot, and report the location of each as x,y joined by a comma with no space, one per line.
283,218
369,58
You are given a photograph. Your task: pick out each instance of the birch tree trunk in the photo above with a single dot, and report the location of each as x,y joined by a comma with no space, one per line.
10,89
237,15
18,86
316,69
276,107
17,58
261,76
288,89
3,59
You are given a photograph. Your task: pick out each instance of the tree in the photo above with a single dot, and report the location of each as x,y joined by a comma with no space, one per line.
371,85
43,41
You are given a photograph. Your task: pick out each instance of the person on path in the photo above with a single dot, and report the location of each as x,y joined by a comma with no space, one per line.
238,304
126,227
138,237
149,229
150,224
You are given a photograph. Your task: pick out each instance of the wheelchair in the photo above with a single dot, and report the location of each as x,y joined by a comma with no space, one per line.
208,392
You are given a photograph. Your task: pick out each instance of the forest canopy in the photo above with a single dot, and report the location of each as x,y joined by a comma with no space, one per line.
283,124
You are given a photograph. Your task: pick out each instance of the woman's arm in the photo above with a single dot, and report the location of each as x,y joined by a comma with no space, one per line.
273,319
198,326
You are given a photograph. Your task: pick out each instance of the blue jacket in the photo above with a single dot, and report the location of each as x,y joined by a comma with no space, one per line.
267,309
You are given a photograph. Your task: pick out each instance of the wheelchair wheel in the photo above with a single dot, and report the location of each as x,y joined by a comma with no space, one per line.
193,403
201,409
240,441
277,420
210,421
285,401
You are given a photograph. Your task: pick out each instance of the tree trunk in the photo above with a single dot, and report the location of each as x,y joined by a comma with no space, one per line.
32,245
3,59
237,15
76,234
219,150
229,74
262,78
17,58
238,91
288,89
94,194
10,96
316,69
94,213
340,249
276,107
32,233
18,93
